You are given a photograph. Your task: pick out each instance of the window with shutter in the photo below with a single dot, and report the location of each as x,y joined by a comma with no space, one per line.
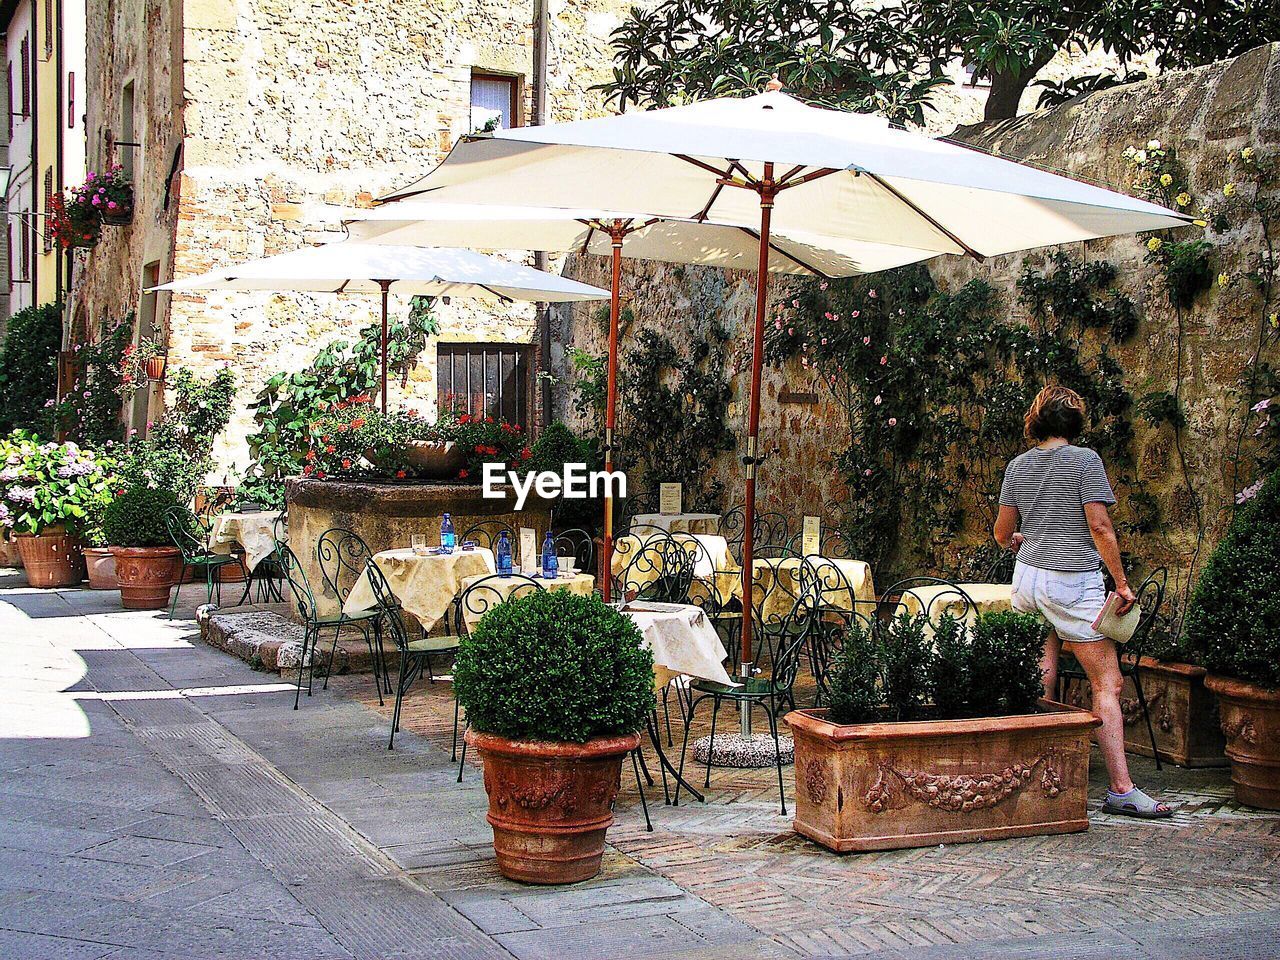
8,94
24,247
48,29
25,54
484,379
47,232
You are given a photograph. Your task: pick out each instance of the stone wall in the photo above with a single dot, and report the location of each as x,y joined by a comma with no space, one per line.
1205,114
285,113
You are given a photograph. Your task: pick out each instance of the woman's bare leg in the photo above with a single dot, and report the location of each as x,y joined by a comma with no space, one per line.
1049,665
1103,669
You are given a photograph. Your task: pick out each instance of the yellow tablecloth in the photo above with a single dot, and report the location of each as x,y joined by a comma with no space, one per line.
679,522
779,579
255,532
716,573
683,641
425,585
939,599
498,589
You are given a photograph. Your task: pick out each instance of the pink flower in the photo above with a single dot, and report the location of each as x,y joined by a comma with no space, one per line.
111,204
795,303
872,293
866,472
97,200
856,314
823,285
86,394
777,324
824,341
879,400
866,341
893,421
133,431
883,361
791,331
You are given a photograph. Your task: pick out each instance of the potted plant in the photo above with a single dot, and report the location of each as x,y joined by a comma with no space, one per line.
1233,626
939,736
100,565
147,561
144,360
47,492
555,687
74,222
111,195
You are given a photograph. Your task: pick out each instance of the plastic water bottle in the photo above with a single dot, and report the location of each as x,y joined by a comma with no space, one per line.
447,538
503,557
550,562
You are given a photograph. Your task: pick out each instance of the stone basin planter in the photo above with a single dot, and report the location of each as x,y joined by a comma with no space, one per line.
550,804
1251,724
1184,715
884,786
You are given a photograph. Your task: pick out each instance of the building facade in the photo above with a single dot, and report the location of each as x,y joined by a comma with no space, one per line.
248,126
45,141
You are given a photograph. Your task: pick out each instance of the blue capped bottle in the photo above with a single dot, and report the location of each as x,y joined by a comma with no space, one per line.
448,539
503,554
550,562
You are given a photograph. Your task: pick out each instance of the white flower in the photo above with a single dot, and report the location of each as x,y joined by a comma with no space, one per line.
1153,144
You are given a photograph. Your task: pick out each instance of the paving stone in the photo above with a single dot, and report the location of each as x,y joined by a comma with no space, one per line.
17,945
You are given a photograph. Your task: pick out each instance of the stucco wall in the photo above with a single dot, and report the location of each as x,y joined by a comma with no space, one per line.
1205,114
289,112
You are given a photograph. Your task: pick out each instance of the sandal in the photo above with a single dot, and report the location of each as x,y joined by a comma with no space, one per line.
1135,803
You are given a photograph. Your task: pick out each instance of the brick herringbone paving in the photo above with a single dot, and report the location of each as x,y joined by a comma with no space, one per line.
1214,860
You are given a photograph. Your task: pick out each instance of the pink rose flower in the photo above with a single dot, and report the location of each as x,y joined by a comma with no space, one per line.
893,421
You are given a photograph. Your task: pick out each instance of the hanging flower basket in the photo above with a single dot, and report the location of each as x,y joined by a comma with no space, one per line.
74,223
112,195
155,366
145,360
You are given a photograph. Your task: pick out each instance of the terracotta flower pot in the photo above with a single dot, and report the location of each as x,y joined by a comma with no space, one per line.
146,575
101,568
884,786
120,218
1251,724
9,556
154,367
50,557
551,803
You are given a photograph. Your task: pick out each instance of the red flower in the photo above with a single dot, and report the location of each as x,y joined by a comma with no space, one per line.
465,418
342,428
311,455
462,474
357,423
346,463
306,472
330,448
526,453
400,474
488,419
319,474
479,448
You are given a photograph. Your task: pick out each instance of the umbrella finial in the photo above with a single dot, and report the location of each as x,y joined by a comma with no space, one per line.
774,84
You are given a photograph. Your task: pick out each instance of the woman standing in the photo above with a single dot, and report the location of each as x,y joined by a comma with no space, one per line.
1053,511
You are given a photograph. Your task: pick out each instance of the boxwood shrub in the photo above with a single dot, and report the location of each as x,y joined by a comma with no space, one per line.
1233,621
135,518
554,666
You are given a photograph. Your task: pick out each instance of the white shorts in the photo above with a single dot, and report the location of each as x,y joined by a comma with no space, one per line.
1070,602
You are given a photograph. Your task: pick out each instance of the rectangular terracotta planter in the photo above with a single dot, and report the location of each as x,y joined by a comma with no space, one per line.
1184,714
883,786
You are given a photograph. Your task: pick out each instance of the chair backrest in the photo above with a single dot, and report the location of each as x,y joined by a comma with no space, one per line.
657,568
795,633
187,531
1150,596
770,527
577,543
389,605
835,610
343,556
481,596
698,577
933,597
299,585
1001,569
485,533
633,505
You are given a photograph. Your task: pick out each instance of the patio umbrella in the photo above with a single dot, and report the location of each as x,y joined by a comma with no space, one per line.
384,269
616,234
770,162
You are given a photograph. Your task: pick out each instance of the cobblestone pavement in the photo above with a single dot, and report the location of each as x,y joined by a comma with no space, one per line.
158,798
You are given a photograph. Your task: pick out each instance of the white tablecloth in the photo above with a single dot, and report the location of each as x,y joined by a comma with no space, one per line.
682,639
847,584
940,599
679,522
425,584
255,532
498,589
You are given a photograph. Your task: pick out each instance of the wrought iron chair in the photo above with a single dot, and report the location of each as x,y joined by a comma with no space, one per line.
485,533
309,616
343,556
1150,597
769,527
1001,569
577,543
769,693
656,568
837,610
191,536
415,655
631,507
934,597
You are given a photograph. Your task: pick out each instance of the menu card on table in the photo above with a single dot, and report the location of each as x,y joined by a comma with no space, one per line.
811,536
670,496
528,551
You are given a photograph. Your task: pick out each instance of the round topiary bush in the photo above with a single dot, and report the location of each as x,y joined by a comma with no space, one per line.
1233,622
555,666
135,518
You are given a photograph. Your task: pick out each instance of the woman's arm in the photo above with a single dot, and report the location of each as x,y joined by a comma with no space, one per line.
1104,538
1006,528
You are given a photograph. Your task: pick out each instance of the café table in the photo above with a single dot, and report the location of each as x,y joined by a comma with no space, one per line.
581,584
939,599
848,586
253,532
424,583
716,575
684,644
679,522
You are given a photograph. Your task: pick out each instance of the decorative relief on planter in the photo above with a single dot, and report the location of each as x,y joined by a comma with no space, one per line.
536,797
815,780
959,793
1240,728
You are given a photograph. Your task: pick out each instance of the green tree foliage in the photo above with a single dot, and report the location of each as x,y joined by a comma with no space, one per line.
1233,622
29,368
555,666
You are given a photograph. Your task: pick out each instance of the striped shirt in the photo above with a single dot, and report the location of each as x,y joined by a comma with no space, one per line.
1050,488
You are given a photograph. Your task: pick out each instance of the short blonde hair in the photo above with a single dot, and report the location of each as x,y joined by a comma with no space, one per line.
1055,412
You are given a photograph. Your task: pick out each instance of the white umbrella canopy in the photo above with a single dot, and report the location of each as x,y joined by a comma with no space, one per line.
846,175
557,229
383,269
364,268
773,163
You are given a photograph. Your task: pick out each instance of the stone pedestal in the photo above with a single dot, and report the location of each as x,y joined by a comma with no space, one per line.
386,515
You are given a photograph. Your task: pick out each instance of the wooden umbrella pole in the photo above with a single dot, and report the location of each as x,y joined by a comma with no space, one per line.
386,287
751,459
617,234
